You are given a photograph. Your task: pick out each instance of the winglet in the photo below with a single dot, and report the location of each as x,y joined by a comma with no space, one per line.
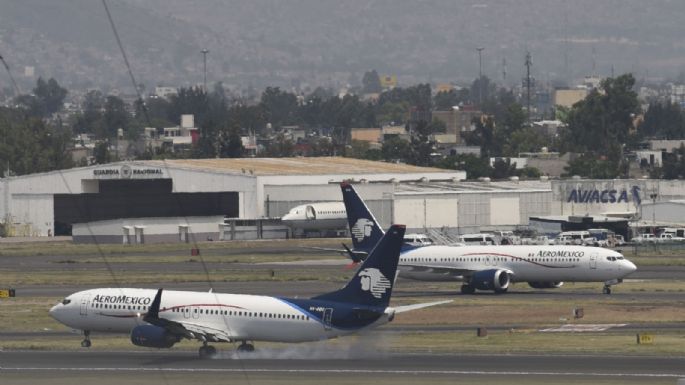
153,311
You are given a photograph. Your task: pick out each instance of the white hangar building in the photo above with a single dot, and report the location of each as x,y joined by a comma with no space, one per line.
155,201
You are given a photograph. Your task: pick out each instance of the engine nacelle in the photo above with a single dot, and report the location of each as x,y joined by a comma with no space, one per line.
493,279
545,285
151,336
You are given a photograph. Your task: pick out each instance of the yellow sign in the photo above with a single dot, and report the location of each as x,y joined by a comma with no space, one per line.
645,339
388,81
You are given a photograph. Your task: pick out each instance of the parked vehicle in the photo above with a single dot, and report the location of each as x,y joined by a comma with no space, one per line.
575,238
478,239
644,238
417,239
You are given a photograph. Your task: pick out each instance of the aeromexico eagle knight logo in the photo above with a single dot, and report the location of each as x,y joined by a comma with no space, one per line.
362,229
373,281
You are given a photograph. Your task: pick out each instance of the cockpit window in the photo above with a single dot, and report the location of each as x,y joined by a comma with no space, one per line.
66,301
611,258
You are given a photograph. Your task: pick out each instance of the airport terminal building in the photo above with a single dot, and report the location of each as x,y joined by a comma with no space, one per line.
200,199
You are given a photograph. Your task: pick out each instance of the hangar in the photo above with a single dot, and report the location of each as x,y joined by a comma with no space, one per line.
116,202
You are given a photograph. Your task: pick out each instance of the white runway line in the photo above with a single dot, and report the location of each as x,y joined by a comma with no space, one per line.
579,328
349,371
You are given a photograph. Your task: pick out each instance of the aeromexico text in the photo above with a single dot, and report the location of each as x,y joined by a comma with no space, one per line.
560,254
122,299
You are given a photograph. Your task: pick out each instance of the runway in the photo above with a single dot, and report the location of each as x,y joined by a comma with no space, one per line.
370,365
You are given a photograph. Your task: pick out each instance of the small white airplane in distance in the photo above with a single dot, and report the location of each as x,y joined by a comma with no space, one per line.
161,318
317,216
490,267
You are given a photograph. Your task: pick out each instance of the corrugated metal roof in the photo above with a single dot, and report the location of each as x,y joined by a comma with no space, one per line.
296,166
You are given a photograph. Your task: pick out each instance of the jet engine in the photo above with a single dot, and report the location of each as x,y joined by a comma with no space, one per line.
494,279
151,336
545,285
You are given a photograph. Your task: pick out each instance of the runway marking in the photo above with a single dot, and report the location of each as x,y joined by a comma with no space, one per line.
349,371
583,328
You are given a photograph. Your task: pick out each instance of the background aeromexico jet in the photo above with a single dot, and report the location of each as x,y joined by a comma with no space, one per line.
160,318
490,267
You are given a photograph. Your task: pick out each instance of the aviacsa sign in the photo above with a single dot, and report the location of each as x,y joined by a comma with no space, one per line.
604,196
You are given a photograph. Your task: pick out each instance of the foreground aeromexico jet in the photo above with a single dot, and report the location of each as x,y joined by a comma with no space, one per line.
161,318
490,267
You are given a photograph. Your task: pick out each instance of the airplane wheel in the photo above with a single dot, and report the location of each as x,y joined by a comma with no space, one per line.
246,348
207,351
606,290
467,289
85,343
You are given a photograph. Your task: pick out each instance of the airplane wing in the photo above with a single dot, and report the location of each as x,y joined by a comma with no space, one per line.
402,309
199,332
355,255
185,329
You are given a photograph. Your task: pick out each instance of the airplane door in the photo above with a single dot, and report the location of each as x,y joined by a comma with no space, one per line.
186,312
327,318
310,213
593,260
195,312
487,260
84,305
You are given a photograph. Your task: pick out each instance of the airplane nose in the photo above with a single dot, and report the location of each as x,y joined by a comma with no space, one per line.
630,266
55,311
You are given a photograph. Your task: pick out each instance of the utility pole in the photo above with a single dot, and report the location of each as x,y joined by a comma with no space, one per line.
480,76
205,51
504,70
529,62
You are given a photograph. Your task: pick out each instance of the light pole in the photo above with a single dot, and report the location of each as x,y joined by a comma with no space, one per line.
204,59
480,75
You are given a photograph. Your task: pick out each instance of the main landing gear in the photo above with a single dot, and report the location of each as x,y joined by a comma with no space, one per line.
207,351
468,289
86,339
245,347
606,289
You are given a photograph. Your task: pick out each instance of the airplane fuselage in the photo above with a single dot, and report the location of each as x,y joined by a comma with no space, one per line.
526,263
243,317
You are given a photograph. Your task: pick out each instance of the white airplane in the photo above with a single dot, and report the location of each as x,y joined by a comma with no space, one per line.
161,318
490,267
317,216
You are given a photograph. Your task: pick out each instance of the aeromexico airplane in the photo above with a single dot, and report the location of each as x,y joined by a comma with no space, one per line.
490,267
161,318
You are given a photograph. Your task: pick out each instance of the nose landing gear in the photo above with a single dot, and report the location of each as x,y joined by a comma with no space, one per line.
86,339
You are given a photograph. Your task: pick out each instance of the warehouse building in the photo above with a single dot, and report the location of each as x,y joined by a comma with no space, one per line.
188,198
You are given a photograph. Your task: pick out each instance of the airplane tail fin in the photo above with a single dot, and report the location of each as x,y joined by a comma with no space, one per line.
366,232
372,283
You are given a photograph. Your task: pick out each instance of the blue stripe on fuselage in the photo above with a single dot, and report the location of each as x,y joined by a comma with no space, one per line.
344,316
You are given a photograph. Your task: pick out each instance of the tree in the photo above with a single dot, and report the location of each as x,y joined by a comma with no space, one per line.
280,107
115,116
445,100
395,148
663,120
30,145
600,123
371,82
475,166
502,169
47,98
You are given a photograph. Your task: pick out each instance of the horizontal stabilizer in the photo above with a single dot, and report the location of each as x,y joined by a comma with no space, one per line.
402,309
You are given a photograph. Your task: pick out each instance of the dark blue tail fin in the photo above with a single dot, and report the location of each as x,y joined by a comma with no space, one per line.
363,226
372,283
